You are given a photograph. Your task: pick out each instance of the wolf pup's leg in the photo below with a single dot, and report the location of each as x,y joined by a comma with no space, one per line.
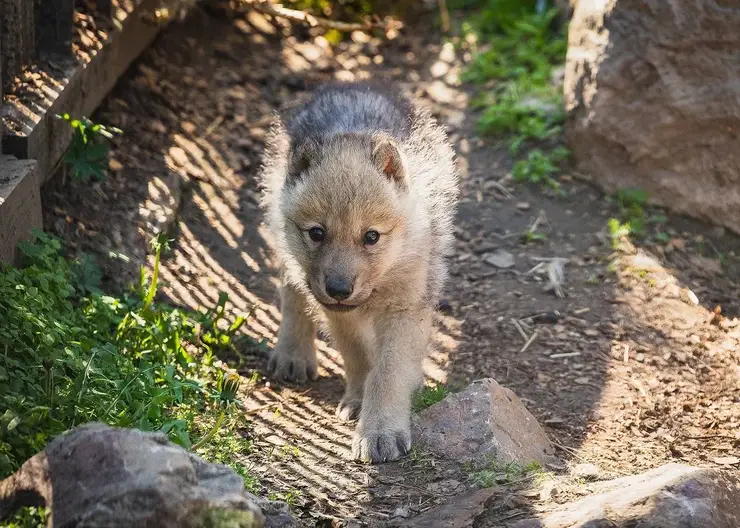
294,356
383,433
355,371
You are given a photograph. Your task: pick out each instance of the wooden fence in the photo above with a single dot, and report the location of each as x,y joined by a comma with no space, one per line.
41,34
30,29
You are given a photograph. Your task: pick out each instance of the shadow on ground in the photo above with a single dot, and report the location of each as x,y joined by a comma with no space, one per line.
620,371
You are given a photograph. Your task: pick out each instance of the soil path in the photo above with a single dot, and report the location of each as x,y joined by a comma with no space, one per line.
623,370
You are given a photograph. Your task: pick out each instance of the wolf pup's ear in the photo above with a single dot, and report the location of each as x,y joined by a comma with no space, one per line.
387,158
302,157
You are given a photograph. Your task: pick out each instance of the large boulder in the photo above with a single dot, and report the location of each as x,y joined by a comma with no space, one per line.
485,421
97,475
671,496
653,101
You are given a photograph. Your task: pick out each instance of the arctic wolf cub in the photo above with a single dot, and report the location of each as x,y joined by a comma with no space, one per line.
360,191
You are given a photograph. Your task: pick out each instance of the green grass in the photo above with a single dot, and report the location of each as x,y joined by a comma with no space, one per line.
69,354
618,231
517,51
634,218
494,473
428,396
540,167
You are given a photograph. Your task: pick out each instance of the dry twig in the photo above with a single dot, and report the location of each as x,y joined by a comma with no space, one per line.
521,330
529,341
294,15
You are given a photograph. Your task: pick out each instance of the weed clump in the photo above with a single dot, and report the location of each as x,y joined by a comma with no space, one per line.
70,354
517,48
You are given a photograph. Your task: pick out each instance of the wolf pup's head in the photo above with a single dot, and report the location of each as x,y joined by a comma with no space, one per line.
345,204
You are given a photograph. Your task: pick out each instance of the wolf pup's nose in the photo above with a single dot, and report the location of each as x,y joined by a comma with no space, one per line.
338,288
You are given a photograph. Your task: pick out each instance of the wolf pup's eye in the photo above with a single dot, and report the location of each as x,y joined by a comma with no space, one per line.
371,238
317,234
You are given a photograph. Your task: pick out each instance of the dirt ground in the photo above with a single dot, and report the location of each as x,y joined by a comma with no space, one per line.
623,371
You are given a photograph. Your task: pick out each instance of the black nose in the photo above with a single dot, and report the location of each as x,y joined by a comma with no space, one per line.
338,288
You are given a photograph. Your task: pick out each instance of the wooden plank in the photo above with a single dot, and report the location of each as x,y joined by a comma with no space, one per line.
2,131
20,205
84,89
54,25
18,37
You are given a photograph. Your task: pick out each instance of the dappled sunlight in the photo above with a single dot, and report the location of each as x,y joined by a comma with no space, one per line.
624,369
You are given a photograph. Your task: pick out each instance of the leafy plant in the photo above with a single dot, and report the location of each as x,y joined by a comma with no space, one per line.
618,231
540,167
86,156
518,48
428,396
494,473
632,204
70,354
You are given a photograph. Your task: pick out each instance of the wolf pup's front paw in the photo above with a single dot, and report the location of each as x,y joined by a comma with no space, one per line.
378,446
291,366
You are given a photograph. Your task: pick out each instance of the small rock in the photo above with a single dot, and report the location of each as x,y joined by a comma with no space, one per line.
114,165
671,495
483,421
689,297
485,246
523,206
500,259
726,460
586,471
459,512
548,489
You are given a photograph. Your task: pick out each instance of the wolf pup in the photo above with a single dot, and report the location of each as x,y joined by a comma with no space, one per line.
360,190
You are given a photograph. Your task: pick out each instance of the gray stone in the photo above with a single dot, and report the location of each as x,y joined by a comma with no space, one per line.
500,259
586,471
459,512
652,98
671,496
97,475
482,422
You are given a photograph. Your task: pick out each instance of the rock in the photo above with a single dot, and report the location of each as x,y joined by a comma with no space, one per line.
586,471
644,113
500,259
459,512
97,475
483,421
673,495
277,514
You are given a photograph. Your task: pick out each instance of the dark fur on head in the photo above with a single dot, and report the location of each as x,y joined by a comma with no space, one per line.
355,158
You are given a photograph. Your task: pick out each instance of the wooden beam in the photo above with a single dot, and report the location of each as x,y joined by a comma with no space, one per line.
54,25
2,131
18,37
84,88
20,205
